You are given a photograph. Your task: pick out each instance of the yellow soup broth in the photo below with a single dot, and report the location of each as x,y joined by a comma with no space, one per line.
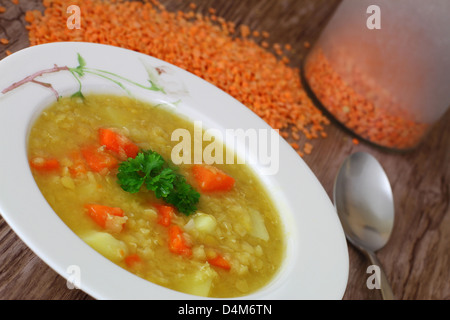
235,237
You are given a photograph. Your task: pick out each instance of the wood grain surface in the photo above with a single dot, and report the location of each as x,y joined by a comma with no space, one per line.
416,258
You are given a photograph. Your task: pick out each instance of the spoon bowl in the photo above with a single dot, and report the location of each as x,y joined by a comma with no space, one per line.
365,206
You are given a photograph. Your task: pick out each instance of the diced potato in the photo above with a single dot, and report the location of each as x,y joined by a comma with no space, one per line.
198,252
258,229
68,182
190,225
204,222
258,251
198,283
107,245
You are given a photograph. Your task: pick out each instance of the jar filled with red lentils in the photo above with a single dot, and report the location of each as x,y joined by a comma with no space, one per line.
382,69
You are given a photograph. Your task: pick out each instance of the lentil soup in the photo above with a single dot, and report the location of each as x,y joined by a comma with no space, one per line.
218,236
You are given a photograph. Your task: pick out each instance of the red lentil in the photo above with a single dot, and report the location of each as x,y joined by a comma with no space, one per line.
379,120
245,31
237,64
307,148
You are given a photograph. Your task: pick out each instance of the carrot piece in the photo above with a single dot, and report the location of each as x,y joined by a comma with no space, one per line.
165,214
117,143
211,179
109,218
44,164
220,261
98,160
132,260
177,243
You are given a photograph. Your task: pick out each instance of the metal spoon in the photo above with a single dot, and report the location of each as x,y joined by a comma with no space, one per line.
364,202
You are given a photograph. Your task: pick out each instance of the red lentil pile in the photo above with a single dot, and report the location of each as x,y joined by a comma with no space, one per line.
375,116
237,60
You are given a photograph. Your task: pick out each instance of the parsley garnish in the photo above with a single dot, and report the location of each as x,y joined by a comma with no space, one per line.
150,169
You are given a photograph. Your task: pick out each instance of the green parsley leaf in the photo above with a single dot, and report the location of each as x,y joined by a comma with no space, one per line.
161,184
149,168
184,197
134,172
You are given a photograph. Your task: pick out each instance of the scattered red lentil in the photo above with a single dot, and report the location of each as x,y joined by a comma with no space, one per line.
307,148
237,64
4,41
265,44
286,60
2,9
355,141
8,53
245,31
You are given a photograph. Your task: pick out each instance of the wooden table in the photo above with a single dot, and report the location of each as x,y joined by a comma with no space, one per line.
416,258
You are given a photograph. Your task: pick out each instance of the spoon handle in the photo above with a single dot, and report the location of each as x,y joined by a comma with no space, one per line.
386,290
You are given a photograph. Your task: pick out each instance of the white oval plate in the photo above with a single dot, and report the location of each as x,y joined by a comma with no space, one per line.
316,264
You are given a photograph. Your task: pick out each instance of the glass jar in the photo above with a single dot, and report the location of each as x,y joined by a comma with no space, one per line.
382,68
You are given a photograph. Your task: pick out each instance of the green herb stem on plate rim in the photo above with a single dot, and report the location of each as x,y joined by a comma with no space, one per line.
79,72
